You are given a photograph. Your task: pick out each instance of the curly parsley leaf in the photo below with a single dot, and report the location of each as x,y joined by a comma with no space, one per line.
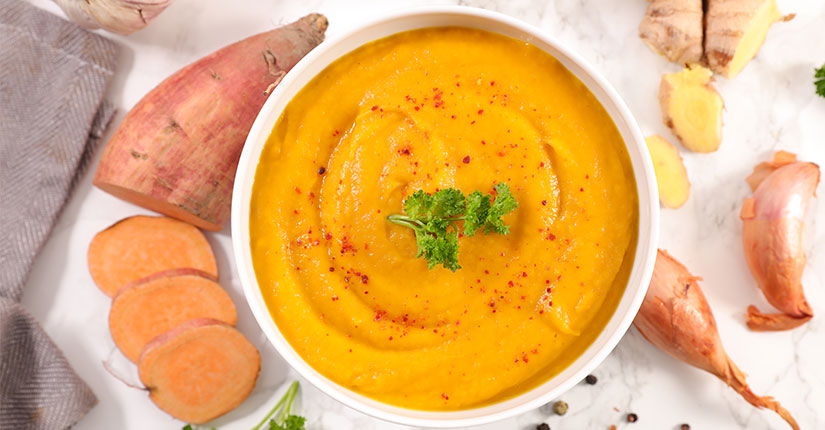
434,218
291,422
819,80
504,204
419,204
478,206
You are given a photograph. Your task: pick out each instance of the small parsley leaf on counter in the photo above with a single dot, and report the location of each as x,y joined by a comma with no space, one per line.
819,80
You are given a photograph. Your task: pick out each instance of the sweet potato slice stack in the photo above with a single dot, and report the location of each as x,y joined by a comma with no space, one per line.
140,246
170,316
158,303
199,370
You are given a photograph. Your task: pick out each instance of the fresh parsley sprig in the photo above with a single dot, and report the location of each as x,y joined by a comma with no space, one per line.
283,420
435,217
819,80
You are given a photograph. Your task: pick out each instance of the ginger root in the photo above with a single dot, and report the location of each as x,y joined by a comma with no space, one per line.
692,108
673,29
734,32
724,35
671,175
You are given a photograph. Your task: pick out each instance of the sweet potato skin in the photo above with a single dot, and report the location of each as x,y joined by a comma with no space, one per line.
191,346
128,251
158,303
177,150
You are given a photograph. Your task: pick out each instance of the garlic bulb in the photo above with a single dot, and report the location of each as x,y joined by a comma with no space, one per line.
117,16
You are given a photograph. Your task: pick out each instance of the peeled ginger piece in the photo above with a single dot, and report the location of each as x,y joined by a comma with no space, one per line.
671,175
692,108
734,32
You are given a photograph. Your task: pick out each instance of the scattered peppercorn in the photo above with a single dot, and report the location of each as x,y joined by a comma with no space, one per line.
632,418
322,170
543,426
591,379
560,407
684,427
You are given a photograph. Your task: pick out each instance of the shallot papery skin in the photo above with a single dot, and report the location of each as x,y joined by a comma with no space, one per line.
772,234
116,16
676,317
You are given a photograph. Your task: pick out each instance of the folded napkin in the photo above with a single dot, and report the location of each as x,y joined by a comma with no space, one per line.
53,76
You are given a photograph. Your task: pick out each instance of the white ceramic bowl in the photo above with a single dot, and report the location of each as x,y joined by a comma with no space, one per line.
334,48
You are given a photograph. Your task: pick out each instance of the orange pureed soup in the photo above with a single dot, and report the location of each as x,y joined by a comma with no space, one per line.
425,110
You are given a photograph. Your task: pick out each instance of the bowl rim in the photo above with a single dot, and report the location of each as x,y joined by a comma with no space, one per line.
637,283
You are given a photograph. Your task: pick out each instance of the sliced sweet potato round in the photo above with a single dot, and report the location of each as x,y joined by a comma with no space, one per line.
158,303
199,370
139,246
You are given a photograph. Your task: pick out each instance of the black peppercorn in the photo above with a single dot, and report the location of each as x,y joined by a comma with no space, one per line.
632,418
322,170
591,379
684,427
543,426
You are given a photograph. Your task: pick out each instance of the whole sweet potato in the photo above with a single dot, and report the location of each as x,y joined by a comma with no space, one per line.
177,150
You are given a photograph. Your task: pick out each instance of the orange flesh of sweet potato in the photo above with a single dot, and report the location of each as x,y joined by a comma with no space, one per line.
139,246
154,305
177,150
199,370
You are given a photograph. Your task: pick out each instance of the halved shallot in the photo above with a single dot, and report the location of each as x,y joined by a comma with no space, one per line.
773,227
676,317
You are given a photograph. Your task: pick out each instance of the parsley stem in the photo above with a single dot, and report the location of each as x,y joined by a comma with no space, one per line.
405,221
288,397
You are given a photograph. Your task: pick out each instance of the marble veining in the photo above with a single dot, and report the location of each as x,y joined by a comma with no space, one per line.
771,105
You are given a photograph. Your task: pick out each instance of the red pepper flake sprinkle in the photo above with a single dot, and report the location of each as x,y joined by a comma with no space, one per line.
452,116
334,298
480,111
297,190
523,274
466,160
445,396
327,236
492,83
544,202
581,189
365,279
375,108
551,236
417,108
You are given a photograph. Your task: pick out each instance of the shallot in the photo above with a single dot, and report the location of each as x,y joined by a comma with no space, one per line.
676,317
773,228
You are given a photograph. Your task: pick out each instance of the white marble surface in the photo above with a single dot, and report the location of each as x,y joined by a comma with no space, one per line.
770,105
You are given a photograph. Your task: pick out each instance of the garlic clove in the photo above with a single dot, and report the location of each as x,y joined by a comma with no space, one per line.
116,16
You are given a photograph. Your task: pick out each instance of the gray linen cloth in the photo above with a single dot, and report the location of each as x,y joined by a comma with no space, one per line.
53,76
